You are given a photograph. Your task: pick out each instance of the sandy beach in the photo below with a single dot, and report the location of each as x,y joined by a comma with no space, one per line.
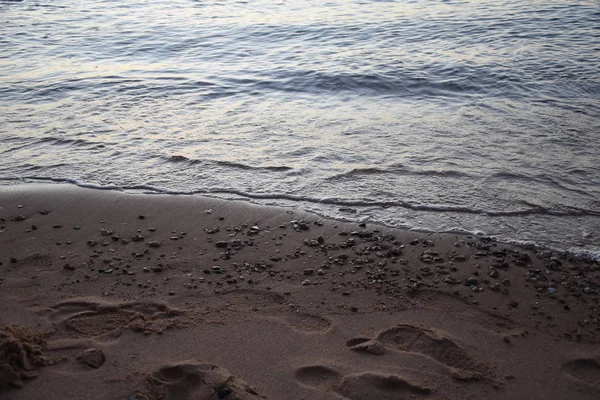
106,295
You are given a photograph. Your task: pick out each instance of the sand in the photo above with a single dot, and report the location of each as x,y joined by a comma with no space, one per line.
106,295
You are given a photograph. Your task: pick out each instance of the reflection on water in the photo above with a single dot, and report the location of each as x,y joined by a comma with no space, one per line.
477,115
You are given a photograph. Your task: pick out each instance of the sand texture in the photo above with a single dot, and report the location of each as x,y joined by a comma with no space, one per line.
106,295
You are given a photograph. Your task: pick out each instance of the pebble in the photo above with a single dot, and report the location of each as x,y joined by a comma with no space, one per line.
472,280
94,358
154,244
69,267
306,282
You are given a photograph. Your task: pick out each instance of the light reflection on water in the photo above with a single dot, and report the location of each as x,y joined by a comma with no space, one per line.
478,115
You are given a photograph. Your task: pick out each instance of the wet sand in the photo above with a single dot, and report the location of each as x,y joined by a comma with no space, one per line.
105,295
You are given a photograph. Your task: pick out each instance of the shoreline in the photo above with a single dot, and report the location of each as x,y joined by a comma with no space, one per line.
148,296
576,251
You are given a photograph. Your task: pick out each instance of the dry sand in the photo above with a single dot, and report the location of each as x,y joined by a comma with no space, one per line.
106,295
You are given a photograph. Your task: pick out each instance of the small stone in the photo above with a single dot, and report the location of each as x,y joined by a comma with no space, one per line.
222,244
137,238
309,271
154,244
13,260
93,358
69,267
472,281
320,272
306,282
141,217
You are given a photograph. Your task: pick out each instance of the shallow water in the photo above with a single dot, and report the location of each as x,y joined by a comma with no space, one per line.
478,116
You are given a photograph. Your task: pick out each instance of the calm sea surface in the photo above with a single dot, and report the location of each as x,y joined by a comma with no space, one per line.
478,116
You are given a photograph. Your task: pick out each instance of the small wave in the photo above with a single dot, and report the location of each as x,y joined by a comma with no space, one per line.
541,179
54,141
231,164
68,142
397,170
76,182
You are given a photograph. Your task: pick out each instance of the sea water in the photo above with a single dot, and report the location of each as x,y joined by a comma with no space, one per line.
477,116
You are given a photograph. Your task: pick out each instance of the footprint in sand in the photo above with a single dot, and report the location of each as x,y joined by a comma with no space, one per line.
308,323
586,370
428,343
462,310
248,299
190,380
90,317
361,386
273,304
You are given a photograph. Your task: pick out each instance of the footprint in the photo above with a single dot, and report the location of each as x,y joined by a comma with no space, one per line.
91,317
253,299
586,370
190,380
372,386
318,376
426,342
42,262
360,386
308,323
461,309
